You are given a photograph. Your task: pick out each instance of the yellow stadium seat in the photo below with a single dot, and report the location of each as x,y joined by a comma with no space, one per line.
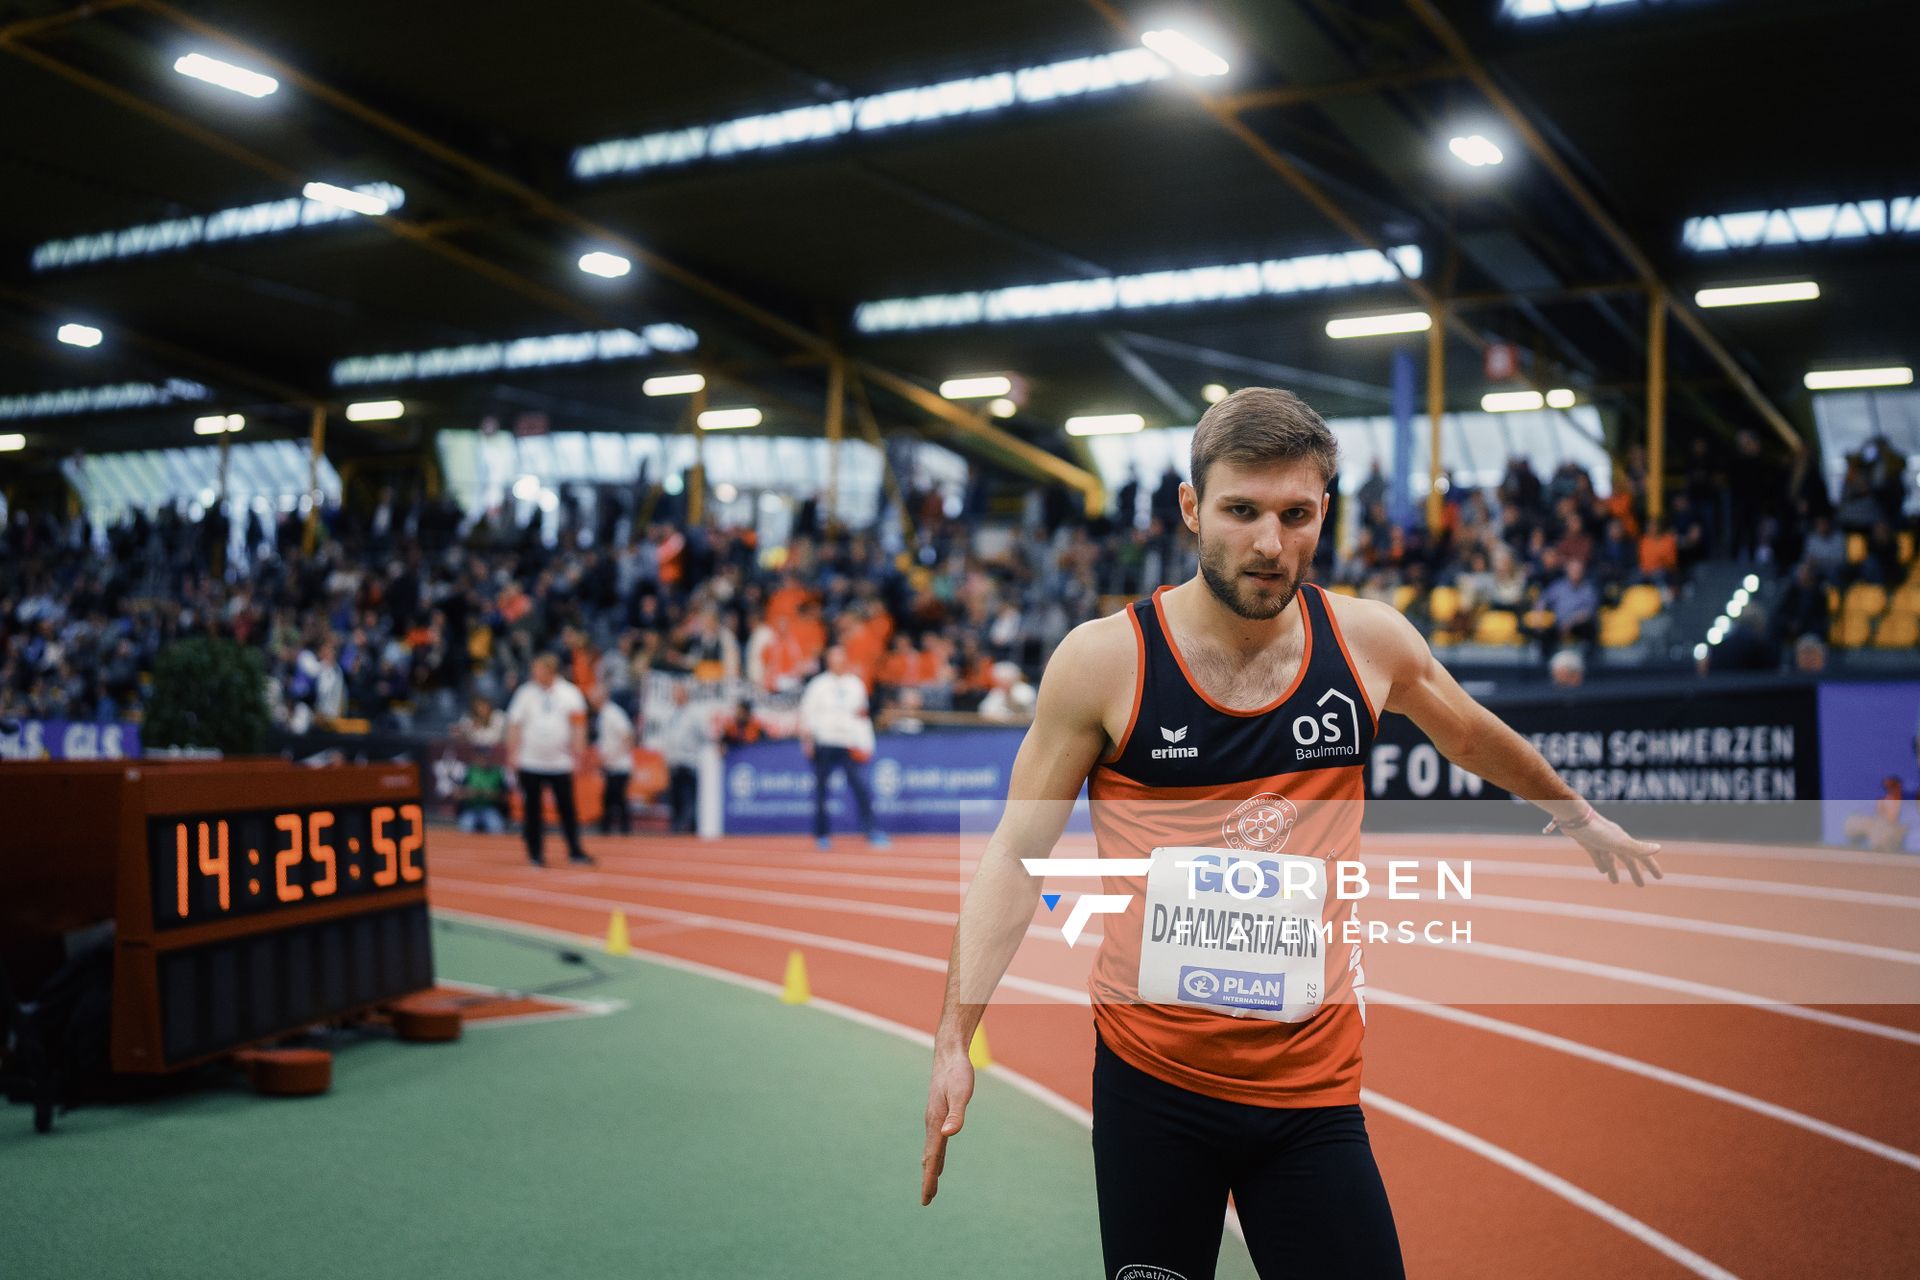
1906,599
1904,540
1344,589
1856,548
1497,626
1833,599
1850,630
1404,597
1443,604
1866,598
1538,619
1618,628
1642,600
1897,631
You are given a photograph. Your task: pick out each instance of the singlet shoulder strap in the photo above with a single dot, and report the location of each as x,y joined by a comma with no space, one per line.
1324,606
1140,614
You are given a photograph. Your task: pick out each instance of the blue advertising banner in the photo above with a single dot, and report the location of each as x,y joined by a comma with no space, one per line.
1868,734
921,783
67,740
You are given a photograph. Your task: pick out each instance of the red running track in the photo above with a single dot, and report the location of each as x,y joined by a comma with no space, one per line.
1628,1089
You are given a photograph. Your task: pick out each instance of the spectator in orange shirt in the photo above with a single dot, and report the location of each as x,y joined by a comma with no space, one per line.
1659,551
901,667
811,635
742,728
787,601
582,661
865,646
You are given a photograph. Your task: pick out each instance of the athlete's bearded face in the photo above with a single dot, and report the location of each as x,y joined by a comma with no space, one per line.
1257,527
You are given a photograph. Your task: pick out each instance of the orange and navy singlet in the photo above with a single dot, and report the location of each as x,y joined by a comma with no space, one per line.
1283,778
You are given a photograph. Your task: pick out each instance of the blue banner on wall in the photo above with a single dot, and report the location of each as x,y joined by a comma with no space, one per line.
921,783
1868,733
67,740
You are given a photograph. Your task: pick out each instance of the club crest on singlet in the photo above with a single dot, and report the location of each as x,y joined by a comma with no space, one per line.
1261,824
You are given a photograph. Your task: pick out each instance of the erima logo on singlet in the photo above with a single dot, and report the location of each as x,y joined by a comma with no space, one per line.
1175,753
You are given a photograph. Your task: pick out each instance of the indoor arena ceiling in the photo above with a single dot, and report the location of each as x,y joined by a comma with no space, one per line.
1040,160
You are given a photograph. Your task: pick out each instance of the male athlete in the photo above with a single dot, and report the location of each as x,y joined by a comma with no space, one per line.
1228,716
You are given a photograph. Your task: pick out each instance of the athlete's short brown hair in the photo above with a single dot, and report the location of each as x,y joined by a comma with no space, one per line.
1257,425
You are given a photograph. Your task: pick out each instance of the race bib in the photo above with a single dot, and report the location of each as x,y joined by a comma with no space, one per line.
1235,931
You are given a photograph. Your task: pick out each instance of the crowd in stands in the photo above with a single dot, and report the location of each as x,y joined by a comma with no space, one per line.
401,616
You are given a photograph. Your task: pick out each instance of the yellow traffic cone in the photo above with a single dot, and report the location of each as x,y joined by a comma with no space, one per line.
796,990
977,1051
617,944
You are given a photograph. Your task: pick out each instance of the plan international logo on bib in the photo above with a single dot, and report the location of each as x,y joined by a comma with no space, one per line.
1175,752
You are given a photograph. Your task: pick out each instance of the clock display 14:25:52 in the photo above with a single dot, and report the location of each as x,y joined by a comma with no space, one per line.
208,867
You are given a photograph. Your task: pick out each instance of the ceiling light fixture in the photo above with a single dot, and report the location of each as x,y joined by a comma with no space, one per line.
375,410
79,335
610,265
729,419
1560,398
1184,52
1002,408
1747,295
1845,379
674,384
1476,151
976,388
345,198
217,424
1374,326
226,75
1512,401
1105,424
12,443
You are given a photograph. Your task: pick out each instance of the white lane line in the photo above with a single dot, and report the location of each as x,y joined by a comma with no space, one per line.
1677,879
1670,848
774,871
1477,948
826,942
771,897
1646,1070
1661,982
1608,1213
1688,924
1585,1200
952,886
569,1010
1026,1084
774,897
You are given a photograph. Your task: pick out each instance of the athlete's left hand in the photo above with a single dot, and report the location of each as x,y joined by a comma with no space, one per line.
1610,846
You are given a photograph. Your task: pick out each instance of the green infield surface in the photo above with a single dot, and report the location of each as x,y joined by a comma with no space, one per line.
701,1129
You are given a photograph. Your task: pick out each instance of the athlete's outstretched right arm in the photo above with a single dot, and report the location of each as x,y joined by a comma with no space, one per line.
1059,751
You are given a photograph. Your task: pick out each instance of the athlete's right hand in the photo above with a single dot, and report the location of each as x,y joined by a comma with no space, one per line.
947,1099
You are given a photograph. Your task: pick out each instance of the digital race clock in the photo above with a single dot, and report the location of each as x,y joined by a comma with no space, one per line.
250,898
215,866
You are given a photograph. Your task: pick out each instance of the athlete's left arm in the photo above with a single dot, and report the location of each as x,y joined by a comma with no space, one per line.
1474,738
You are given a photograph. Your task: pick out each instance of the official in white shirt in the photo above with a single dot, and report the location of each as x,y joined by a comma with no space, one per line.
836,732
613,740
546,739
688,730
